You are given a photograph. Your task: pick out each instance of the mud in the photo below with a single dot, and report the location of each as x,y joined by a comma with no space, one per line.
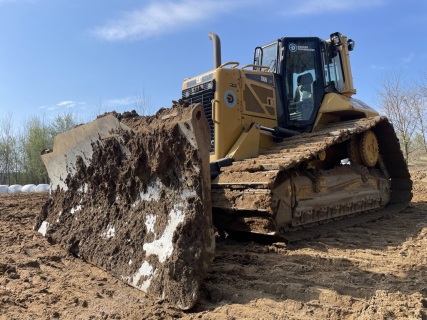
368,270
139,207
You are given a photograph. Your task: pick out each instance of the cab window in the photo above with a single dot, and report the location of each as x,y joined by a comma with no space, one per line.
266,56
333,71
300,78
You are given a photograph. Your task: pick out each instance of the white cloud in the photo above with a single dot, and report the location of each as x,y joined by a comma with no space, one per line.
127,103
162,17
66,104
321,6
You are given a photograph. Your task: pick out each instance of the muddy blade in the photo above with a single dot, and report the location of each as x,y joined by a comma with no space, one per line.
77,143
137,202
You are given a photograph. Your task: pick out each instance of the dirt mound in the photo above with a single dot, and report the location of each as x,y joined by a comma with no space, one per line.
139,206
374,270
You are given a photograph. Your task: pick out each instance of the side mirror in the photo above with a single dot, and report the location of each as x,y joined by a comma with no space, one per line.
350,44
258,56
336,39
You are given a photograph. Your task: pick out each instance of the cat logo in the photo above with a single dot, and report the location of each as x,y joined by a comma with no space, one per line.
230,98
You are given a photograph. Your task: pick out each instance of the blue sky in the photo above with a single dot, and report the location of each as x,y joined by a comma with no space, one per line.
87,57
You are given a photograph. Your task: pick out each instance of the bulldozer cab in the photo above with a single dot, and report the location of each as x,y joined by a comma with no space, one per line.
307,69
294,85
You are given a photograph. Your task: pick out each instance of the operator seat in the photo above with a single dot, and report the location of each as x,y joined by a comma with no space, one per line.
304,96
304,87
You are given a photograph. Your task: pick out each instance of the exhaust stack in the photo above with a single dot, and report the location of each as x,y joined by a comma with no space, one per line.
217,48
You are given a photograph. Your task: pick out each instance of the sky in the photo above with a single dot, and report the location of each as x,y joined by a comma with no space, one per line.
88,57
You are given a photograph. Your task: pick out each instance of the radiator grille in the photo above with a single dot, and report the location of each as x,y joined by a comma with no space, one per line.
203,94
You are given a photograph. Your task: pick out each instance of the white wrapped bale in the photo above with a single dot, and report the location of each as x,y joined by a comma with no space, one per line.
15,188
4,189
42,187
29,188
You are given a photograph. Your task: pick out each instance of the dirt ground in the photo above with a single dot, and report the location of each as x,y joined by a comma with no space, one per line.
366,270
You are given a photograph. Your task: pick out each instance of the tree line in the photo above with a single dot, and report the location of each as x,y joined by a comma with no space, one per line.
20,150
405,105
20,160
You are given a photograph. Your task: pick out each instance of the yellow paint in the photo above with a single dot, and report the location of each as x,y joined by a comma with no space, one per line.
247,145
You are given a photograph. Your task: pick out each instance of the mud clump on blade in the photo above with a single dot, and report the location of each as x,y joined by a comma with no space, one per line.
141,208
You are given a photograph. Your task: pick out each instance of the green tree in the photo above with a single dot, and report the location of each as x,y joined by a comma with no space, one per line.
36,139
61,123
7,148
39,136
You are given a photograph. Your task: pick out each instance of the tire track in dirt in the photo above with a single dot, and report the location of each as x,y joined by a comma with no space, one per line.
375,269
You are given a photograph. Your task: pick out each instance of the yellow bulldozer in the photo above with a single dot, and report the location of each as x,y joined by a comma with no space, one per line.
293,146
266,148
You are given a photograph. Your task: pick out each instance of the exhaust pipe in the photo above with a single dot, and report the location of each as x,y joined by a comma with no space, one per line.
217,48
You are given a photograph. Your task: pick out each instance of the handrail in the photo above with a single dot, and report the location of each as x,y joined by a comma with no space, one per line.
255,66
235,64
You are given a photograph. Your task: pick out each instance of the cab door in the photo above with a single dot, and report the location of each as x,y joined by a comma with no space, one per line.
303,81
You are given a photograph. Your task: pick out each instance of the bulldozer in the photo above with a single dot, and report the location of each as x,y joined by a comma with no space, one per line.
290,146
267,148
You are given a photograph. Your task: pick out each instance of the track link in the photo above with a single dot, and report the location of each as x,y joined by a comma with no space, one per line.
245,194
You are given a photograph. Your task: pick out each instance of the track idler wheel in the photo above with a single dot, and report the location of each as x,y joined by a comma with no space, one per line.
363,149
369,150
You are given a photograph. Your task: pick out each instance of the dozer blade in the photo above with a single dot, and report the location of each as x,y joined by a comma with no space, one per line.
77,143
133,198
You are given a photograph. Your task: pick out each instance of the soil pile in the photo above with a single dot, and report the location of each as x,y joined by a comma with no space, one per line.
367,270
140,207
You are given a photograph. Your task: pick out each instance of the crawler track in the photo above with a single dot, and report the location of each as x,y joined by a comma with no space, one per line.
250,194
